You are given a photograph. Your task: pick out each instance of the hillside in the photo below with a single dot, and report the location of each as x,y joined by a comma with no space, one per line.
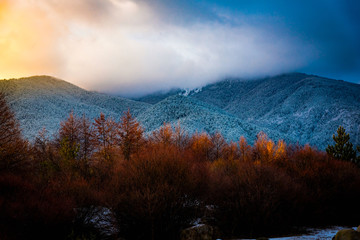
194,115
44,101
305,108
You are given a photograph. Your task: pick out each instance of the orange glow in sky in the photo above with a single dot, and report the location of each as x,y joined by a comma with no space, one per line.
138,47
25,39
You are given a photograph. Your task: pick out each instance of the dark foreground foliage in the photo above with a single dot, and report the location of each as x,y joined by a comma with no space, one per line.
155,186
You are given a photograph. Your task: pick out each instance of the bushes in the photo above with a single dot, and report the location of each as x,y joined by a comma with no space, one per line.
156,191
270,195
251,199
26,210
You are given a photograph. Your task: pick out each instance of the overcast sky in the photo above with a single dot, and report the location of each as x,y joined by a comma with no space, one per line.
132,47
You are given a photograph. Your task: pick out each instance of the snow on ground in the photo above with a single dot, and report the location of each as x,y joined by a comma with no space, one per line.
314,234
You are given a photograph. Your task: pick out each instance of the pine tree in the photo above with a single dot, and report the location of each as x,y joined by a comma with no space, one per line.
130,135
69,137
343,148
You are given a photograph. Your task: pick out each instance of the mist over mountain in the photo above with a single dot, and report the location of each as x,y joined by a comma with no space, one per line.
295,107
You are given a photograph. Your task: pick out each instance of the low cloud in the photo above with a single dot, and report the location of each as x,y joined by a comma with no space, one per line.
131,48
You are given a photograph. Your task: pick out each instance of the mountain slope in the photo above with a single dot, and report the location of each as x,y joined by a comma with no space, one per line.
302,107
307,108
44,101
194,115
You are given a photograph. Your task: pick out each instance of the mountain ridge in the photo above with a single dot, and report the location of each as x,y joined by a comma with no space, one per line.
44,101
306,108
296,107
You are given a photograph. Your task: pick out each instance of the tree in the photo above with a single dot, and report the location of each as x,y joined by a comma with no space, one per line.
164,135
69,137
12,146
343,148
218,143
130,135
264,148
181,137
105,134
9,127
280,152
44,152
86,138
244,149
202,146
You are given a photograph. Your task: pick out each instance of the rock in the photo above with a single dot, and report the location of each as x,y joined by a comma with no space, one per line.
347,234
198,232
100,219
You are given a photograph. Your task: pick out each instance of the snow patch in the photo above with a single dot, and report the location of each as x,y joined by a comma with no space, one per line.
313,234
189,92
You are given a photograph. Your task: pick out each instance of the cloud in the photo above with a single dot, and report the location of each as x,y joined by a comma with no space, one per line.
27,41
133,47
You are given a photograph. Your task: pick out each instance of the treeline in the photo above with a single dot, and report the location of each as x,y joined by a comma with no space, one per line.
156,185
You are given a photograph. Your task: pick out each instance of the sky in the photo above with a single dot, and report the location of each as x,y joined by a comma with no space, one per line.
135,47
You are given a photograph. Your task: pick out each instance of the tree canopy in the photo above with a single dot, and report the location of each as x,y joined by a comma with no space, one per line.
343,148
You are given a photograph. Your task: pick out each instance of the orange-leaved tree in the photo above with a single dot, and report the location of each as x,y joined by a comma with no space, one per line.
12,146
163,135
130,135
105,135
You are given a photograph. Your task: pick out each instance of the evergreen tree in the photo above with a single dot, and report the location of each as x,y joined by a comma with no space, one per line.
343,148
69,137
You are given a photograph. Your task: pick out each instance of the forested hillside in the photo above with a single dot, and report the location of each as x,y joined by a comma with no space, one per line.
302,108
44,101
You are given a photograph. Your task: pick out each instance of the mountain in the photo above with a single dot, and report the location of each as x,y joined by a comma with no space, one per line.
158,96
295,107
44,101
303,108
194,115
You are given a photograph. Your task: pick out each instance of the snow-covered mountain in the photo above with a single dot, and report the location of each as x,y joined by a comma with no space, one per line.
194,115
301,108
44,101
295,107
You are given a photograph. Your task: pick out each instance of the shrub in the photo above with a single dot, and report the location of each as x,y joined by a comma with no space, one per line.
27,209
251,199
156,194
